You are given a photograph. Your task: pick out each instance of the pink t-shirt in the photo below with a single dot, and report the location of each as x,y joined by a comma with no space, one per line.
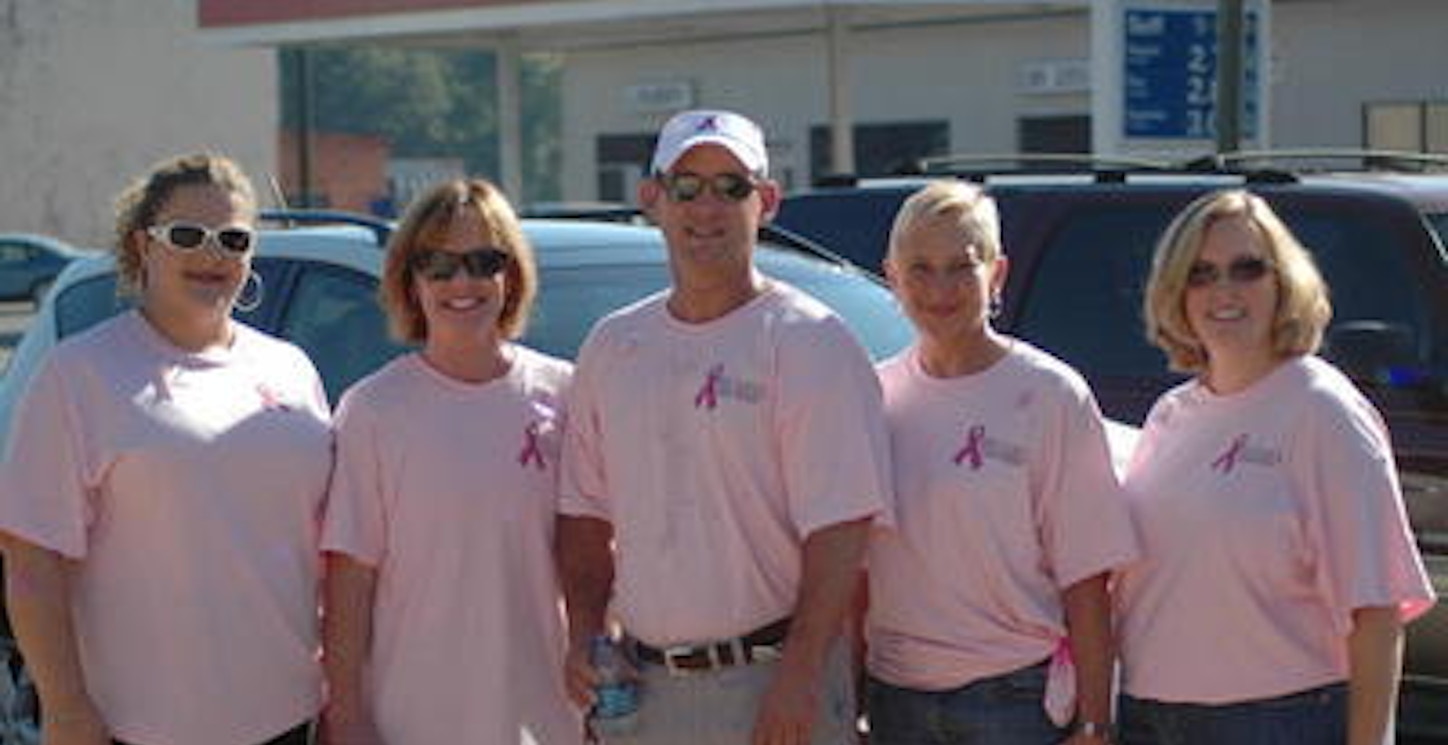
1266,518
187,487
449,490
1006,497
715,449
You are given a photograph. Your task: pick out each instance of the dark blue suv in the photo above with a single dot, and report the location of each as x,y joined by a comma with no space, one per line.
1080,246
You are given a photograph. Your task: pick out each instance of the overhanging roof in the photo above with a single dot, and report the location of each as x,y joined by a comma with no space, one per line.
572,24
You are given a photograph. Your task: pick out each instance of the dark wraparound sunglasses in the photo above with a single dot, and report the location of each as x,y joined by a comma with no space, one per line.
440,266
1242,271
686,187
187,236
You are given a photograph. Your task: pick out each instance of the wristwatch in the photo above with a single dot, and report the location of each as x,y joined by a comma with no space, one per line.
1094,729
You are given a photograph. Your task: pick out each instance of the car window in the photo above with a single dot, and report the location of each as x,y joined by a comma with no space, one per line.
571,299
1439,223
86,303
1084,297
1371,286
853,224
1084,301
15,253
334,316
867,308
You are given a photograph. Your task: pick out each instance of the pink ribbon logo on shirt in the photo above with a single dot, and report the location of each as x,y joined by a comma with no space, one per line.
1228,459
270,401
971,451
531,452
708,395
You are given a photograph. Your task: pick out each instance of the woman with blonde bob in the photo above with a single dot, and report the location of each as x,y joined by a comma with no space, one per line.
988,617
1278,567
441,619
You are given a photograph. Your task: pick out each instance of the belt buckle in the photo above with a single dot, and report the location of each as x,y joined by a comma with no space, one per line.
765,653
672,656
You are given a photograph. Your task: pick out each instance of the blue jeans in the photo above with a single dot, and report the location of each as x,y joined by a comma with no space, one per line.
1004,710
1314,717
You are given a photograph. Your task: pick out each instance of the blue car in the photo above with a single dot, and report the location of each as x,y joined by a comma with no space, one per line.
30,263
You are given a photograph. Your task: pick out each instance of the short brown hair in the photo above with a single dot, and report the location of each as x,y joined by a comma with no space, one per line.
428,218
1303,307
138,204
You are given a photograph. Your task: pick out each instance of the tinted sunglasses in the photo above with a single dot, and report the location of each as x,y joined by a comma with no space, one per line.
1241,271
189,236
686,187
440,266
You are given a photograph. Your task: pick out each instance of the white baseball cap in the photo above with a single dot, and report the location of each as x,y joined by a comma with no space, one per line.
688,129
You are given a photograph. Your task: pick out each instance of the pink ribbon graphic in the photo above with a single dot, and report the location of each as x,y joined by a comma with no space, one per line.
1228,459
707,397
531,451
270,401
974,439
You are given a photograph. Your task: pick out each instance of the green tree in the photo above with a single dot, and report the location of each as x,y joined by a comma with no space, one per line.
429,103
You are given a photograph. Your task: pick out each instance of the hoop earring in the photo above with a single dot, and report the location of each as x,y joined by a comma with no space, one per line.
996,306
245,303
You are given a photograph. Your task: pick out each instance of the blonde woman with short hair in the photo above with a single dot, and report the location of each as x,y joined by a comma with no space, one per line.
988,620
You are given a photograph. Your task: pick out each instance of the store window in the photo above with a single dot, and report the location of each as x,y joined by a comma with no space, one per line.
1414,126
881,149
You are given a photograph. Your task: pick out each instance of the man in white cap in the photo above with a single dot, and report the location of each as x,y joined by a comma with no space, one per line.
724,461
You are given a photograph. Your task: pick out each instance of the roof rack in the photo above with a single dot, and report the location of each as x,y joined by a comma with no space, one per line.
1314,159
381,229
634,216
1024,162
597,212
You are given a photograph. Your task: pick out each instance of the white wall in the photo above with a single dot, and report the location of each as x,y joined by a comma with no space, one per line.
1333,56
94,91
963,73
1330,57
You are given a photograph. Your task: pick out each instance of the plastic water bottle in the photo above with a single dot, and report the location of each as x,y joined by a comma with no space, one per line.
616,706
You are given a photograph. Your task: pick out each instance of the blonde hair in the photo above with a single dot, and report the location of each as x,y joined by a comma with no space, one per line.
1303,308
138,204
967,205
424,224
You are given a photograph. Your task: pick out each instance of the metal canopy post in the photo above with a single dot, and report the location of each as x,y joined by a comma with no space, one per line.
842,135
510,120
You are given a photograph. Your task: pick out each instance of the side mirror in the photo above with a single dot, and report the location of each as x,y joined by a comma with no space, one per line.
1374,351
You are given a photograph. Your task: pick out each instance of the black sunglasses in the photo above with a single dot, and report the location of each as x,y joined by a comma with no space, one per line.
440,266
189,236
1241,271
686,187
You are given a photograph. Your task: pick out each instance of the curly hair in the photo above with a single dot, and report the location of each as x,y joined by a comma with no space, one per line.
140,202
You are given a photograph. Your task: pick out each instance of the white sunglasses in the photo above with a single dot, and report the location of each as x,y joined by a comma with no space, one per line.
188,236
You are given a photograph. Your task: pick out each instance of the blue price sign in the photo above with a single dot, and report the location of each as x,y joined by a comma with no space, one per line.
1171,74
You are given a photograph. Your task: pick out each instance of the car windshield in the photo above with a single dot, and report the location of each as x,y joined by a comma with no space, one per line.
1439,221
571,298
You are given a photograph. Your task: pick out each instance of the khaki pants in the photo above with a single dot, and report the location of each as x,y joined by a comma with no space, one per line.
719,707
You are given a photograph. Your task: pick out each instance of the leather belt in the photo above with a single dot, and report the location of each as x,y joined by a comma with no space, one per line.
761,644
